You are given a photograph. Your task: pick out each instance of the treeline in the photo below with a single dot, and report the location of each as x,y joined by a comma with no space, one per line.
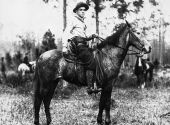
26,46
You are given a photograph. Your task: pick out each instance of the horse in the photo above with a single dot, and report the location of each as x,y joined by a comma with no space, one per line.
142,69
112,52
32,65
24,69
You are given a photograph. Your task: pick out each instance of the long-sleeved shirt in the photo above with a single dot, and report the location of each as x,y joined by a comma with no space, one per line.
76,27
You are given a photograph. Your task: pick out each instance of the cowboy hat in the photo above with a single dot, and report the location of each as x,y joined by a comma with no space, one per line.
80,4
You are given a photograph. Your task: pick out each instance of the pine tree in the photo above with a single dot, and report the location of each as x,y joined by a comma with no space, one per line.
48,41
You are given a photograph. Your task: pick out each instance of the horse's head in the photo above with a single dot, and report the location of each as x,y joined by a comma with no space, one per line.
32,65
133,39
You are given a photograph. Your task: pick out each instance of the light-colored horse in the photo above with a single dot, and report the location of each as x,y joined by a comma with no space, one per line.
24,69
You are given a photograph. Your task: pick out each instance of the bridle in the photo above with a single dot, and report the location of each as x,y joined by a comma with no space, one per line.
138,40
133,52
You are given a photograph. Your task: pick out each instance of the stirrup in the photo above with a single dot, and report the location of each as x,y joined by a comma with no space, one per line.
95,91
59,76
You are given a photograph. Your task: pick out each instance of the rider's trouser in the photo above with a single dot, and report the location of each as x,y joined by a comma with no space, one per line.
86,57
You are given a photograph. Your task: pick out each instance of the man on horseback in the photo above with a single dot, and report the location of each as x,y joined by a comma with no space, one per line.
144,56
75,33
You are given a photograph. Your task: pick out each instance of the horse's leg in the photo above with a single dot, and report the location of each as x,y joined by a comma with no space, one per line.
101,108
138,82
145,78
105,102
143,82
47,99
89,80
37,102
151,75
107,106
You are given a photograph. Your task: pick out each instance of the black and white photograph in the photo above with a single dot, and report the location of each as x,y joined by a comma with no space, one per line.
84,62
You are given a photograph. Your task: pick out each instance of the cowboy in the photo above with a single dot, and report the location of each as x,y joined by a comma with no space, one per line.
76,32
145,56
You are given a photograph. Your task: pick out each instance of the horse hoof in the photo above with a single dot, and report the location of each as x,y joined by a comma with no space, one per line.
36,123
114,122
89,91
95,91
48,122
108,122
99,121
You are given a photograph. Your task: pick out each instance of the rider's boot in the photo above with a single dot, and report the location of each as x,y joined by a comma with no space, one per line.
60,74
93,87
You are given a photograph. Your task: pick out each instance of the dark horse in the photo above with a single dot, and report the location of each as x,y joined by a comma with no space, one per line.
112,53
143,68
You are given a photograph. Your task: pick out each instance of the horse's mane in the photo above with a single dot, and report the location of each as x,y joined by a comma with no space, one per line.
114,37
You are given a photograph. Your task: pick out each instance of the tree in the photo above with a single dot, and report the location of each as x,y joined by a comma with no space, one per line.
153,2
8,59
123,7
37,53
98,9
26,44
48,41
64,14
156,63
64,11
17,59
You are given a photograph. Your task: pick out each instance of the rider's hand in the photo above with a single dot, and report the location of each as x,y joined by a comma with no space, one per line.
95,36
92,37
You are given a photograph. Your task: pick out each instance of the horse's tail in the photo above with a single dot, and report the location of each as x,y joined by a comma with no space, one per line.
36,80
38,85
39,82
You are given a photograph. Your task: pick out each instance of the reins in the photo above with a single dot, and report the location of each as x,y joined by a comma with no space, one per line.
133,51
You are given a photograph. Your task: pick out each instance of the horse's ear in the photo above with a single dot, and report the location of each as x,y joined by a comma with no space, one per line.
128,24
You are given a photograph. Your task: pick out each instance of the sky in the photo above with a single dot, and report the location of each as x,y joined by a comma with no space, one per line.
20,16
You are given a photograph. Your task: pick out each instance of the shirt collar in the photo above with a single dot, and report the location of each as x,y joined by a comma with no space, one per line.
79,18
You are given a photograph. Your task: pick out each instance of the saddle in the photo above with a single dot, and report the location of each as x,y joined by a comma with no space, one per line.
94,63
72,58
72,54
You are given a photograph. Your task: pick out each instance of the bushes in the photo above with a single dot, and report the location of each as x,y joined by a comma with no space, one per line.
13,79
126,80
64,89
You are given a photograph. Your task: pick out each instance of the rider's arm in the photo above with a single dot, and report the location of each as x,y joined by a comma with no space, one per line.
91,37
67,35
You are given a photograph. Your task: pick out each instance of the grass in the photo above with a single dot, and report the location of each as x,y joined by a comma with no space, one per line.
130,106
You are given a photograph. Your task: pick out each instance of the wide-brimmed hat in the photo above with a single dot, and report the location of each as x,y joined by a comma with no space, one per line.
80,4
